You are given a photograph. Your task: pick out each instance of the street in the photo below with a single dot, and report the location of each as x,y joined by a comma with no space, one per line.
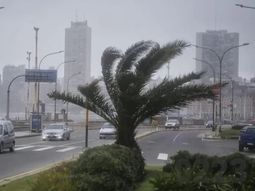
32,153
159,146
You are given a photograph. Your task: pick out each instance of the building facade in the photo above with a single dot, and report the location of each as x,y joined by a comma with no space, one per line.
17,93
77,55
218,41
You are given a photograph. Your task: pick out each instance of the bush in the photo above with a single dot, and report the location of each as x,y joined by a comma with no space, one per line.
108,168
55,179
202,172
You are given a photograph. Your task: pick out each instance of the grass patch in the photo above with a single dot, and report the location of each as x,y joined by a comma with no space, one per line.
23,184
230,134
151,172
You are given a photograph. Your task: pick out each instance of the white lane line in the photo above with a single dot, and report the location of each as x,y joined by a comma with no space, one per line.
44,148
66,149
177,136
22,148
162,156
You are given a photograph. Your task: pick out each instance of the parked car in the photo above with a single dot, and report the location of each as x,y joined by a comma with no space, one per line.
56,131
247,138
172,123
107,130
209,124
7,136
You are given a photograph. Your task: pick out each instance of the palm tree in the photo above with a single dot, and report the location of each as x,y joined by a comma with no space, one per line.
128,100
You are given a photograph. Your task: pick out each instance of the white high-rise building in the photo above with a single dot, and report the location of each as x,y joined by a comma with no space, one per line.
77,55
219,41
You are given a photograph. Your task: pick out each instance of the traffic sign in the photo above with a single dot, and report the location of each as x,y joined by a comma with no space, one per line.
36,75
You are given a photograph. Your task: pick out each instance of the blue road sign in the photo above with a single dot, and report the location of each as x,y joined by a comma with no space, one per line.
36,75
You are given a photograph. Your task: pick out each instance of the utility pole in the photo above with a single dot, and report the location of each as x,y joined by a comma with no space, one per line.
35,106
28,86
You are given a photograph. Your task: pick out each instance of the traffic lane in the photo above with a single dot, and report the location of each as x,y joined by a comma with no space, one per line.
37,154
76,135
156,143
170,142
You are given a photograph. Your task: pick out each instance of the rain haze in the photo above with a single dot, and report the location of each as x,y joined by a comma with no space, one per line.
120,24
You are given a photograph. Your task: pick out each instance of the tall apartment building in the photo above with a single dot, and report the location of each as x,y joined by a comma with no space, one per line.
17,93
77,50
219,41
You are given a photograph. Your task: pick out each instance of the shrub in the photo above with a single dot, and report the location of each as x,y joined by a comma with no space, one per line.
107,168
202,172
55,179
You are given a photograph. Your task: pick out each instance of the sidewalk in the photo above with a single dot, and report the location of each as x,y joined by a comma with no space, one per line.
21,134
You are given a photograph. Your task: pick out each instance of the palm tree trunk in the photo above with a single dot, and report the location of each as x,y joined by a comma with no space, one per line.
126,137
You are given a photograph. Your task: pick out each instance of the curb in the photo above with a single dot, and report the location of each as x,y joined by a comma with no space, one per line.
29,135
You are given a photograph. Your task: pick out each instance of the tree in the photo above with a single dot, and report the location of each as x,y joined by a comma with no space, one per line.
128,100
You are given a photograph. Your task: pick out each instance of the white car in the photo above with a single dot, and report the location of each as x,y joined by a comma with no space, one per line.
56,131
107,130
172,123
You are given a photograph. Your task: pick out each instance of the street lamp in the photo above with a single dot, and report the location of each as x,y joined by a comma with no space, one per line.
244,6
67,88
55,100
232,96
8,95
41,61
213,104
220,59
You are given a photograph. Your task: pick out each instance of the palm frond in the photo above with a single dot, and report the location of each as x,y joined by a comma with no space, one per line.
80,101
132,54
93,93
168,97
108,59
156,58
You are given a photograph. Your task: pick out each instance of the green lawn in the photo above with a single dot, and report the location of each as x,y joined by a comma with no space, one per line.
151,171
22,184
230,134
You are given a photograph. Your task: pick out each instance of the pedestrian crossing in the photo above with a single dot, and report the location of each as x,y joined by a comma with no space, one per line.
38,148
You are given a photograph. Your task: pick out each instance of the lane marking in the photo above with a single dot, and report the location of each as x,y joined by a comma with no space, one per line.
184,143
44,148
162,156
66,149
177,136
22,148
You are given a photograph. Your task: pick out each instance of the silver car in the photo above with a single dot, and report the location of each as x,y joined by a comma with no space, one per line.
107,130
56,131
7,136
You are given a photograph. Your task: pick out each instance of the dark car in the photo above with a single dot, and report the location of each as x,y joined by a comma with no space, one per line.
247,138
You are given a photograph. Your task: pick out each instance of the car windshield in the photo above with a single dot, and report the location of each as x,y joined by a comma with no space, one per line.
55,127
107,125
172,121
250,130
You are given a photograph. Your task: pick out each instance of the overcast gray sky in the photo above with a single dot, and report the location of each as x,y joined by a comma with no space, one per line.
121,23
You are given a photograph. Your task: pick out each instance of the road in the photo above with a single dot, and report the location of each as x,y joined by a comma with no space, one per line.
32,153
159,146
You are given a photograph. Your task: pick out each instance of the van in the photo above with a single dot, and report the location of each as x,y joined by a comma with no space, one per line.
7,136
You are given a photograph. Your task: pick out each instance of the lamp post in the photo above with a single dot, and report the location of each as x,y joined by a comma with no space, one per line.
28,86
55,100
232,96
220,59
35,108
244,6
67,88
8,95
41,61
214,74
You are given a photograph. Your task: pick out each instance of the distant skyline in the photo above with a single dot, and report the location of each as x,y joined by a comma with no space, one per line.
120,24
